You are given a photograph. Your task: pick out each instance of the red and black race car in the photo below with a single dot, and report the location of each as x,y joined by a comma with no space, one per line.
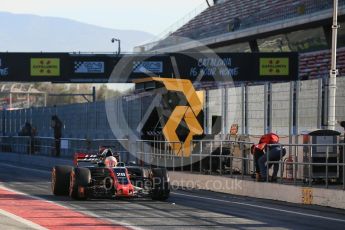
98,181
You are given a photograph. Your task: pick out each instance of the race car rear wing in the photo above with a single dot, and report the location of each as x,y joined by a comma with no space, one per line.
86,157
89,157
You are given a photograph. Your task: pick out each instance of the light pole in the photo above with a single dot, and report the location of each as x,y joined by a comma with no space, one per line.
119,44
332,86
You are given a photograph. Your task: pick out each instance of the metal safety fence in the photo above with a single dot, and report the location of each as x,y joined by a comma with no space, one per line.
311,164
303,164
68,146
203,156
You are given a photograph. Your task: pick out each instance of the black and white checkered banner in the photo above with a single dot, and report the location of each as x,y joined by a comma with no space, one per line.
89,67
147,66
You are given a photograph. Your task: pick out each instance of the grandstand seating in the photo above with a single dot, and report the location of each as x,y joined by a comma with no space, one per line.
317,64
216,19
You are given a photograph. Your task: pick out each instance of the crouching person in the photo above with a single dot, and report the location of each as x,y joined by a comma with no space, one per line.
258,151
274,153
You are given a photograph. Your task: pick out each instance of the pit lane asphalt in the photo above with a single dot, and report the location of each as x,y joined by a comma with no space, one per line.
183,210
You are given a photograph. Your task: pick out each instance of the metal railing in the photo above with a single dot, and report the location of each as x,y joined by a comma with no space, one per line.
305,7
177,25
15,144
312,164
310,155
150,152
68,146
223,156
203,156
233,159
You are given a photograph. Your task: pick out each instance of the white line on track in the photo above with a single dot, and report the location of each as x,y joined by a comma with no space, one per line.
262,207
21,220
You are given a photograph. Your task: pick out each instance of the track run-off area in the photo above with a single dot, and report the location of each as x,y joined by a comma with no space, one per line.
26,201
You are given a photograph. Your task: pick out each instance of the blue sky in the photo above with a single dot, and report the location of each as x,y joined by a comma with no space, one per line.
153,16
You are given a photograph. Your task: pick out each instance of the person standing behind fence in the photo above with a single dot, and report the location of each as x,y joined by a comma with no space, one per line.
26,131
56,124
34,141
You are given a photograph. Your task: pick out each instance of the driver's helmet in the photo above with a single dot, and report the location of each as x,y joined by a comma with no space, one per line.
109,159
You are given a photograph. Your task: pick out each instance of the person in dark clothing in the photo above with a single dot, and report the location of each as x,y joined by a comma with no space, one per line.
34,140
26,130
274,153
56,124
258,152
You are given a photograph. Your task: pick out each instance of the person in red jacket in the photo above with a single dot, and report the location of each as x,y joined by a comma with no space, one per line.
258,150
273,152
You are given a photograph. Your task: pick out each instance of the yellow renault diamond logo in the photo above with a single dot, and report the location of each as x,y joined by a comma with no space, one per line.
187,113
181,113
274,66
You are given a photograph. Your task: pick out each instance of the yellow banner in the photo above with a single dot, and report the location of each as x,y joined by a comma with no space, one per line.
274,66
45,67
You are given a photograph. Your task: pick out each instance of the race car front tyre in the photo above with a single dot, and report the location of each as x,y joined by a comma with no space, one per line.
60,180
160,184
80,178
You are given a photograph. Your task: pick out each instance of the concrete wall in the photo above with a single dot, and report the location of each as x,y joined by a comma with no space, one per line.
340,99
214,103
308,106
255,111
90,119
234,108
135,114
289,193
280,108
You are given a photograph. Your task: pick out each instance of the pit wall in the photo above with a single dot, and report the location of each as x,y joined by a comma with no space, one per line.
289,193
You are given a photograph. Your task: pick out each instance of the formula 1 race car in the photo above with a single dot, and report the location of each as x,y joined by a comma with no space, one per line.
98,181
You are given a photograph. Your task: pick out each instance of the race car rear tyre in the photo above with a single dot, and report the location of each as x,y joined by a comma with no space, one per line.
60,180
160,184
79,178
